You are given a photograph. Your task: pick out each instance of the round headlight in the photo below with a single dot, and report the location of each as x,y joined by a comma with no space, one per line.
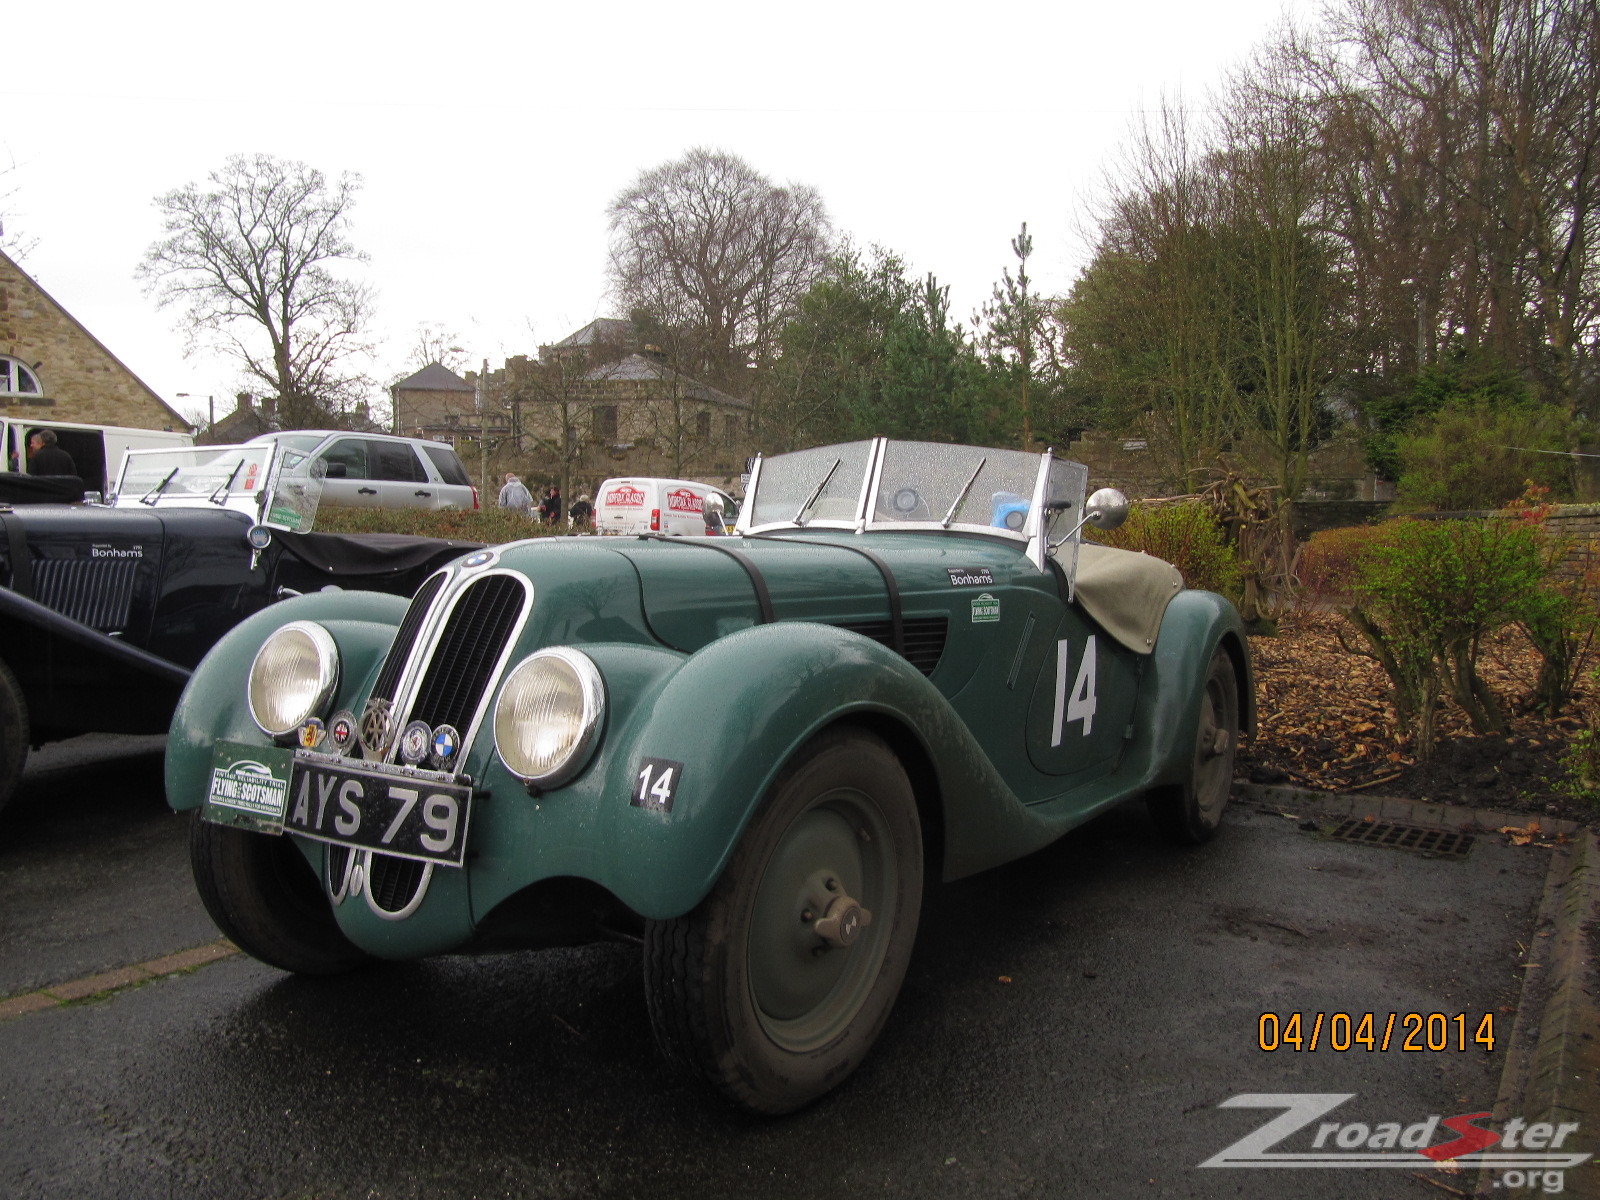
547,719
292,677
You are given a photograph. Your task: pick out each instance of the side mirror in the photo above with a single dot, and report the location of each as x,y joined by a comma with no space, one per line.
1107,509
713,504
336,470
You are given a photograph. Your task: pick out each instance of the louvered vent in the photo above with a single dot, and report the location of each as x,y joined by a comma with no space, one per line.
389,677
467,650
96,592
924,638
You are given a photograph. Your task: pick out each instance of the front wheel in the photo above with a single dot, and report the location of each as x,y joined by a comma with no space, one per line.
775,987
265,897
1191,814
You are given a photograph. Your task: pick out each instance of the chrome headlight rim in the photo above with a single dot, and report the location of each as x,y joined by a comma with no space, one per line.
593,693
327,667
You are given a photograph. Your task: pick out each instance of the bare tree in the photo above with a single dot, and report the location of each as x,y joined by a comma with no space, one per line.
16,245
251,260
712,248
432,342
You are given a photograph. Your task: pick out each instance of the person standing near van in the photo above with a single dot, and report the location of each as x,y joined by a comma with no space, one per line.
45,457
553,505
515,494
582,513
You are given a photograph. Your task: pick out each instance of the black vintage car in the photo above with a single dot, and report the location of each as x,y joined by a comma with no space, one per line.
104,609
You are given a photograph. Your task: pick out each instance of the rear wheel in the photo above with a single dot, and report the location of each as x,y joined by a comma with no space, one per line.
266,899
1192,813
13,733
776,986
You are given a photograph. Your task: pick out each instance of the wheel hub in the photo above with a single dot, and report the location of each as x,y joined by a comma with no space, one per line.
843,922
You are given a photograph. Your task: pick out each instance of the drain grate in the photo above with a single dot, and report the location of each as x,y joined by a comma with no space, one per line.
1405,837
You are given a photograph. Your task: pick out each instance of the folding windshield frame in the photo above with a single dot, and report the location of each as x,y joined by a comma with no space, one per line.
1056,498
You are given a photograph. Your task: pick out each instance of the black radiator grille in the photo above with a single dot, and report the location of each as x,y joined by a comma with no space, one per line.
467,650
95,592
405,638
393,882
924,638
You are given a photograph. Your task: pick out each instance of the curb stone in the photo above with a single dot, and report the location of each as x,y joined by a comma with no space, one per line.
1552,1071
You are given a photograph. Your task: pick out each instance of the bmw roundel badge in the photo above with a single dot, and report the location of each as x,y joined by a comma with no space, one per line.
446,741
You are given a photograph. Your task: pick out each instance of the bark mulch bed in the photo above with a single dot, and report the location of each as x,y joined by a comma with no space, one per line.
1325,723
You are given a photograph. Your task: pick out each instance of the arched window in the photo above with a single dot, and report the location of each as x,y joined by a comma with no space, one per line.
18,379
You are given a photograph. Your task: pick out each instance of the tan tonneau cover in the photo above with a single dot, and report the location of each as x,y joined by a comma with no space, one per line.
1126,592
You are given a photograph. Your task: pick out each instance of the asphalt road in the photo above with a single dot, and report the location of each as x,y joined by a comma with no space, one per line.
1069,1027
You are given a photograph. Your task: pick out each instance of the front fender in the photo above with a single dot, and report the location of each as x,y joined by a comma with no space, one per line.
214,707
729,716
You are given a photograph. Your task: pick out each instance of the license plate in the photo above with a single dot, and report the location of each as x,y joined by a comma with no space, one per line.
409,816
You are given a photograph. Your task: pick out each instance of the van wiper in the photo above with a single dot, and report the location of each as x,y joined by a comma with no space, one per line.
220,496
154,493
812,499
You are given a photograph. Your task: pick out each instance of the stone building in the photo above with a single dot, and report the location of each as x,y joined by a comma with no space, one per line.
598,403
436,403
53,369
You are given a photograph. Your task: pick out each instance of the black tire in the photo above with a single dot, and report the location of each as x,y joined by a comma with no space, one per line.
744,991
14,733
1192,813
266,899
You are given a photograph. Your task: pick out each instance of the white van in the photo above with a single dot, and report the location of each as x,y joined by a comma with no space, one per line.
674,507
96,450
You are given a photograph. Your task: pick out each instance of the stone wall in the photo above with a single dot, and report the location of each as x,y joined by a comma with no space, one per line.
82,380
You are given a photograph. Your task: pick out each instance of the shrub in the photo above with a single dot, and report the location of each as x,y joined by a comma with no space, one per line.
1474,456
1185,535
489,525
1326,567
1426,593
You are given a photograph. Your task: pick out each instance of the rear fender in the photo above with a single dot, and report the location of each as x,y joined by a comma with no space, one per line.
1167,715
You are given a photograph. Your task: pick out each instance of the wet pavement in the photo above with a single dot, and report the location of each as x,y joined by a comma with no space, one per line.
1069,1027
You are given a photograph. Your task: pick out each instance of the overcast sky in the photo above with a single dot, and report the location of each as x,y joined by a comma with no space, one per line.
491,138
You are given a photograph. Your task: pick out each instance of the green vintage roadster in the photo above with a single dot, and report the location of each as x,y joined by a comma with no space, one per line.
750,755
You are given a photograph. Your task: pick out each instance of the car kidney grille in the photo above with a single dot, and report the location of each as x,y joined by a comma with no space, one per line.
389,677
94,592
393,882
924,638
467,651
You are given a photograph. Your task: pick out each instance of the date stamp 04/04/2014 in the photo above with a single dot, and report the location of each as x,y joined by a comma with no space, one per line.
1413,1032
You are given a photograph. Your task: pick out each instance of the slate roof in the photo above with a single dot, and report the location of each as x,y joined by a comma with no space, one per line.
602,330
434,378
636,368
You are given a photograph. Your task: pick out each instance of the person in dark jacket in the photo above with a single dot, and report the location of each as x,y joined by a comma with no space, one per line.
47,458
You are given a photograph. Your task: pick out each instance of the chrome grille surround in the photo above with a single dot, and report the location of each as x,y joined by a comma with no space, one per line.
411,674
431,663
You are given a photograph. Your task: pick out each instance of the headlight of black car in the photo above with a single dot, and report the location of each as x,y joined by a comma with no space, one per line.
548,717
292,677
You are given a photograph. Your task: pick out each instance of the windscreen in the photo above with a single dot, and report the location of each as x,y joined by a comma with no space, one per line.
932,483
296,491
228,476
809,486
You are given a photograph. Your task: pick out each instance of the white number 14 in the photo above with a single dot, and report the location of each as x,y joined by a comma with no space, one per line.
1081,705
